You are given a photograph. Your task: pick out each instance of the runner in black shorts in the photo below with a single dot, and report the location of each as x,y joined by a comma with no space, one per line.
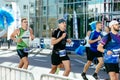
59,55
94,38
21,53
56,60
110,68
110,46
93,55
22,37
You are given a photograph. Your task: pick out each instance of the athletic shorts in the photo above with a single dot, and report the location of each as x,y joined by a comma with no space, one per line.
87,50
91,55
21,53
56,59
111,67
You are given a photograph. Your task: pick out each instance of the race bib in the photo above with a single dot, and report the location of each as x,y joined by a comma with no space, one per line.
62,53
26,50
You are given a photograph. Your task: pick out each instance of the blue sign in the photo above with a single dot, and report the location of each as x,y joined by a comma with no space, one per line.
74,44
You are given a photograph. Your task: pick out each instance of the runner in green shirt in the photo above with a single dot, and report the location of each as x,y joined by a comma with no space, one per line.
22,37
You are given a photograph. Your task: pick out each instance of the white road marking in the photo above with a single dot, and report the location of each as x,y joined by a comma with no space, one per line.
7,54
40,60
38,55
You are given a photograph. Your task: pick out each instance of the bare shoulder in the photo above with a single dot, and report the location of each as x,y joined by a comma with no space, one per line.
16,31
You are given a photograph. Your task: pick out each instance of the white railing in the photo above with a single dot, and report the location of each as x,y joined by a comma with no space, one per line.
10,73
55,77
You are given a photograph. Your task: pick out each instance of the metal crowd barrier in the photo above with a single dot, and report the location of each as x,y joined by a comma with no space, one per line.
55,77
9,73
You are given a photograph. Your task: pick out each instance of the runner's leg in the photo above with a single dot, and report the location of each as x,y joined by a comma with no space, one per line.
67,67
99,65
87,66
26,62
53,69
112,76
20,64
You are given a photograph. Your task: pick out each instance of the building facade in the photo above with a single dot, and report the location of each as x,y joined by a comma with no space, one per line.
87,11
43,14
26,8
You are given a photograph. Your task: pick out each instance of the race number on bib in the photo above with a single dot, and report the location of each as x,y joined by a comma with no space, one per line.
62,53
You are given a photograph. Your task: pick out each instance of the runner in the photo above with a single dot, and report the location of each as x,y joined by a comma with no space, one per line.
59,39
110,46
94,38
22,37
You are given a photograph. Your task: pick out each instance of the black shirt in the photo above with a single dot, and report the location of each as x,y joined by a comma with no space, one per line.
57,34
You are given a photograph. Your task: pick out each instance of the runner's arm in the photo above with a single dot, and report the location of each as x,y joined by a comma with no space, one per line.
13,35
100,48
95,40
69,41
55,41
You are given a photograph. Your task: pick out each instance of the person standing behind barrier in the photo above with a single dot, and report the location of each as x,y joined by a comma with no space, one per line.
87,45
22,36
110,46
94,38
59,39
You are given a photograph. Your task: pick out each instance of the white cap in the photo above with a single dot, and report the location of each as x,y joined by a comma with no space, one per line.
113,22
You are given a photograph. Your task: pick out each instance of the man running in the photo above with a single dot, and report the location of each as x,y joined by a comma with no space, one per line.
94,38
22,36
110,46
59,55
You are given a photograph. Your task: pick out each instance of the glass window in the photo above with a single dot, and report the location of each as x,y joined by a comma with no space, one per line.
24,7
44,12
52,10
60,10
86,11
44,8
32,5
44,27
116,6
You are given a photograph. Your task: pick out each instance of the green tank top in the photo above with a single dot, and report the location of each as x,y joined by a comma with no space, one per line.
24,34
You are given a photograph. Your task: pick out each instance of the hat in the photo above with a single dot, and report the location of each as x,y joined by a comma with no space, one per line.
113,22
61,20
